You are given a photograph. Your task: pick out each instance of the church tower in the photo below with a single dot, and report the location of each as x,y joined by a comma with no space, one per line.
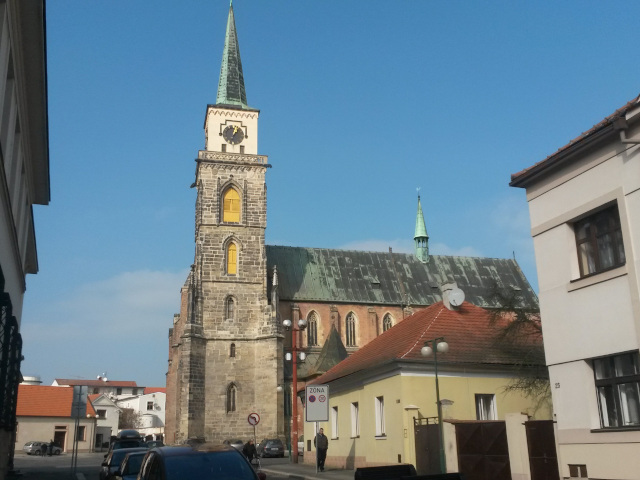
230,347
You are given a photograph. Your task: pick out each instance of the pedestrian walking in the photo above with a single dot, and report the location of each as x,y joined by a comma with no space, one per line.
250,451
321,442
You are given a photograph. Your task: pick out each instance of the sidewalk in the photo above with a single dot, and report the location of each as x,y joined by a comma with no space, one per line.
306,471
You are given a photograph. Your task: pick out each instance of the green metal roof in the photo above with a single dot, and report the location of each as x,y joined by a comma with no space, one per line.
421,228
231,89
376,278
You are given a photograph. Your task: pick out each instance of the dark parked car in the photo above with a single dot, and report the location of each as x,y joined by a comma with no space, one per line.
130,466
127,439
237,444
271,447
198,462
114,460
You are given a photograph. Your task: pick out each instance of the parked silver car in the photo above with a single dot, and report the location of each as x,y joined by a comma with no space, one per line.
41,448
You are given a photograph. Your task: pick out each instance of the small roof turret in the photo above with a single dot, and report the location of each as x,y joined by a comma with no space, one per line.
421,237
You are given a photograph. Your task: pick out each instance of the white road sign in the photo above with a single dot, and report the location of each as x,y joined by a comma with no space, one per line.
317,403
253,419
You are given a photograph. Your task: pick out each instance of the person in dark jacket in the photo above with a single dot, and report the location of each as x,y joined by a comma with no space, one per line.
321,443
249,450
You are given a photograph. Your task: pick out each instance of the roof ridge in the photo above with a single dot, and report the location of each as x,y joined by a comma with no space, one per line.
426,329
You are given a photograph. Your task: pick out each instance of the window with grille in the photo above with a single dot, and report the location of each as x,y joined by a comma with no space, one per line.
230,308
599,242
387,322
617,380
149,405
312,329
350,333
578,471
231,206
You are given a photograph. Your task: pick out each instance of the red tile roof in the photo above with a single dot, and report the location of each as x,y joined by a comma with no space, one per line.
589,133
155,390
95,383
468,331
44,401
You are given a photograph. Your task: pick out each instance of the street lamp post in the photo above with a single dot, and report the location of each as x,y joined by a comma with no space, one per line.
434,346
293,356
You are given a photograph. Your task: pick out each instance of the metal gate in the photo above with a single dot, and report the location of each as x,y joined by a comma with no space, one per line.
483,453
427,441
541,442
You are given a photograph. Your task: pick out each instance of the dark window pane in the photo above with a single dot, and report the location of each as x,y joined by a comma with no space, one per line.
609,412
599,241
587,260
603,368
626,364
629,395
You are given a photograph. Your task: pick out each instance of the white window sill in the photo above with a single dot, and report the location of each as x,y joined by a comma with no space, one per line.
597,278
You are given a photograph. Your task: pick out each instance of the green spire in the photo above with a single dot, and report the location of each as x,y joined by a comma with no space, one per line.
421,238
231,85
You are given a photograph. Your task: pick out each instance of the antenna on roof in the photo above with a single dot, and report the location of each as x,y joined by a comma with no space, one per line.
103,377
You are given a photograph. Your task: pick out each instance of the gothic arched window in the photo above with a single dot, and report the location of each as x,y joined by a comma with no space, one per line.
350,333
231,398
312,329
231,206
387,322
232,259
230,309
232,350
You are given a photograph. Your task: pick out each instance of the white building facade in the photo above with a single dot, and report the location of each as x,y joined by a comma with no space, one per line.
584,205
151,407
108,416
24,182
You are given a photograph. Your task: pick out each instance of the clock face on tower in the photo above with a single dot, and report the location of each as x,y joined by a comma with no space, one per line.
233,134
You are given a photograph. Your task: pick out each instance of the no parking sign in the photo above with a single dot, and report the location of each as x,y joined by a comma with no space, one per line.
317,403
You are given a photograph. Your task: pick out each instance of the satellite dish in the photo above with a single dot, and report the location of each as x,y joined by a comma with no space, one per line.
456,297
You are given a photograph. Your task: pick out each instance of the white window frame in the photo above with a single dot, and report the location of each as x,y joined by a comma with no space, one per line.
483,410
334,422
355,420
379,410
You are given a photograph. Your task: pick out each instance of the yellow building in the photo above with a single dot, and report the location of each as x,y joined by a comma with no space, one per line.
383,394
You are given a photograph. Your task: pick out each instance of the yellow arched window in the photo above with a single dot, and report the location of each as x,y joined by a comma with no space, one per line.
232,259
231,206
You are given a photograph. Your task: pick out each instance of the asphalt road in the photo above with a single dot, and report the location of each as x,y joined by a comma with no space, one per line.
30,467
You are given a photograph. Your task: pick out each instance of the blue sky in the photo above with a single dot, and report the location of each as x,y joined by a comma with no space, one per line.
361,103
